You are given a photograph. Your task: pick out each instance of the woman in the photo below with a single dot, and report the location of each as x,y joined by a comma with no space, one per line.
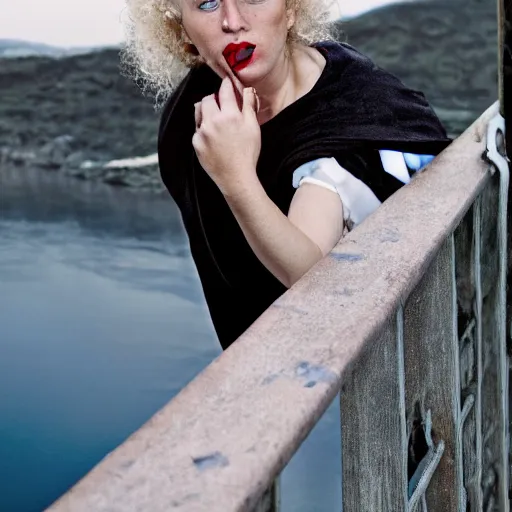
275,143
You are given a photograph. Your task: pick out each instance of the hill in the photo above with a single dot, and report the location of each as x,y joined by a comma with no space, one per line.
58,113
14,48
447,49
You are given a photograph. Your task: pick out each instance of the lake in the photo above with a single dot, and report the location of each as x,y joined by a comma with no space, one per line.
102,321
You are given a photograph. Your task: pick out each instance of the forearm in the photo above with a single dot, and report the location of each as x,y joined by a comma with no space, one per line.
282,247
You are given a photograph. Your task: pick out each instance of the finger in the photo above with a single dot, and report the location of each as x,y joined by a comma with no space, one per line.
197,143
257,98
250,104
227,97
198,114
238,86
209,107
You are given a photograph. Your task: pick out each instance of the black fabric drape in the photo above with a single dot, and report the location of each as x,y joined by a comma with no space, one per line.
354,109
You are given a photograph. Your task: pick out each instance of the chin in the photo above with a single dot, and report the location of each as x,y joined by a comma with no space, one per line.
251,75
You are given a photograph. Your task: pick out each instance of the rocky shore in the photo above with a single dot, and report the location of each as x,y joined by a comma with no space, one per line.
78,116
58,155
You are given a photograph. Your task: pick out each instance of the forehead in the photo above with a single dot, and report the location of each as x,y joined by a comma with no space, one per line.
178,4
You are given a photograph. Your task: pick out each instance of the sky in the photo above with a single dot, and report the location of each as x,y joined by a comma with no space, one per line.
91,22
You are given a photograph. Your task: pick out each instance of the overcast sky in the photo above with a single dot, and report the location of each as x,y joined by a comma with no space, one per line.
89,22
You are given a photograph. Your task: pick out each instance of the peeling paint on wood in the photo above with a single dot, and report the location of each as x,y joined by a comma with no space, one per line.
214,460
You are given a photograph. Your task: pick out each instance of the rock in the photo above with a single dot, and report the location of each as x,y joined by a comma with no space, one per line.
75,160
16,157
53,155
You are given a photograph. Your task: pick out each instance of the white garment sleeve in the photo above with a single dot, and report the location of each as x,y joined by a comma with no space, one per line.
358,199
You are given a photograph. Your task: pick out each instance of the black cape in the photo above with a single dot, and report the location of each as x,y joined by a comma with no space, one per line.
354,109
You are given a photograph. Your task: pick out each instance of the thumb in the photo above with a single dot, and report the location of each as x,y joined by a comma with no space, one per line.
251,102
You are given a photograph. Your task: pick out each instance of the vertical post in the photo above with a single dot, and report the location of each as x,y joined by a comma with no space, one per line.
467,270
374,443
491,305
505,96
432,396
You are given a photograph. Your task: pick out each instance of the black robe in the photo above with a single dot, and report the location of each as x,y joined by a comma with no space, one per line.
354,109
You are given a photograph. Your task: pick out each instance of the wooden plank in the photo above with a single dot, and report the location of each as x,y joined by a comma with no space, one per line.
494,372
432,373
374,445
470,432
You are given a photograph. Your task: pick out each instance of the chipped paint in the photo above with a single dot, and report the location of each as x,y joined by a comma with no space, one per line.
127,463
346,292
269,379
314,374
345,256
311,374
289,307
194,496
214,460
389,235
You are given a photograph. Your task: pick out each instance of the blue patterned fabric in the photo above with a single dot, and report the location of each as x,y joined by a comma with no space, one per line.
417,162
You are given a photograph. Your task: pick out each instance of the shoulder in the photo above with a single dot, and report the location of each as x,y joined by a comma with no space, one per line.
363,79
344,58
371,96
170,106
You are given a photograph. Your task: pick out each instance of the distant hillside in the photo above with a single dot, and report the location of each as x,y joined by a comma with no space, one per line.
445,48
82,96
13,48
79,108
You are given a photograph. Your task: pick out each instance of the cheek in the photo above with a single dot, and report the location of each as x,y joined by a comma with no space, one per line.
275,25
270,25
201,37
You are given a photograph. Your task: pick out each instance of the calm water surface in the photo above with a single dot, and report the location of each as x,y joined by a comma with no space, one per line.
102,321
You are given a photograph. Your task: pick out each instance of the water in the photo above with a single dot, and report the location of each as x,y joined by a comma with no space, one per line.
102,321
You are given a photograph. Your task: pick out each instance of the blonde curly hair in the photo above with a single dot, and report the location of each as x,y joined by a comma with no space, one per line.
157,57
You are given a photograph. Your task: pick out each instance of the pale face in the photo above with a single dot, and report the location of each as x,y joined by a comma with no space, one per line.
249,36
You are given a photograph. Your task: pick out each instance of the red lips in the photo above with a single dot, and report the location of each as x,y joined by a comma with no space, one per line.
238,55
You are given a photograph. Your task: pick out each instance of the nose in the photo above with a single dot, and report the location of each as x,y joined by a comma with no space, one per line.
233,20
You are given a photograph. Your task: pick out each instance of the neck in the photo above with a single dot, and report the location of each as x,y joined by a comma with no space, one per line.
293,76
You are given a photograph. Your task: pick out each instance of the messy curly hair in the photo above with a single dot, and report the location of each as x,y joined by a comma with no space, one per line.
157,57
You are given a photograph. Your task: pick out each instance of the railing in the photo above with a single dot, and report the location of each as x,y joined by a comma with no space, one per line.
406,317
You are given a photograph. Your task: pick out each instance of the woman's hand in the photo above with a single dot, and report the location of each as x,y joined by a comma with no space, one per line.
227,140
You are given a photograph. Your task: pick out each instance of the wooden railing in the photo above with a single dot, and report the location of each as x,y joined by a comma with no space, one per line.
406,316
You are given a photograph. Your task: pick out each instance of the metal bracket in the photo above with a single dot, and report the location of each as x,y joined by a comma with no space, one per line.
495,149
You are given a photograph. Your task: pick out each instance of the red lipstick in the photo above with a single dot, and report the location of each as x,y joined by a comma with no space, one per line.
239,55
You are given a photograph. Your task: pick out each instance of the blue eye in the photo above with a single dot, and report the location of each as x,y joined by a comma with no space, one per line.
209,5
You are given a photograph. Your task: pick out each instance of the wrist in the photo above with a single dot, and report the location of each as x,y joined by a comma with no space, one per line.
244,186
